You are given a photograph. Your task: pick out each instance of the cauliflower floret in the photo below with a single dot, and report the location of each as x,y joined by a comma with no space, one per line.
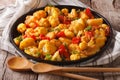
41,44
77,25
44,22
54,21
83,16
21,27
56,57
56,42
26,43
65,40
91,43
84,38
73,14
41,30
75,57
51,35
49,48
68,33
83,45
62,26
73,47
52,11
32,50
40,14
65,11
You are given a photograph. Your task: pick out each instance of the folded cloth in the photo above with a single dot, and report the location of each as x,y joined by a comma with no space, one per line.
11,13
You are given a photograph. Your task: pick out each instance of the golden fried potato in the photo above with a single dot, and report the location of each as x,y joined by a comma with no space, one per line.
26,43
94,22
83,45
68,33
21,27
56,57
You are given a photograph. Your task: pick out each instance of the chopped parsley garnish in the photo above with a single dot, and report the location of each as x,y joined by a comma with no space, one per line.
88,28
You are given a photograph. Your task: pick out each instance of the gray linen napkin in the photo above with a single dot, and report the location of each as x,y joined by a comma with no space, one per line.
10,14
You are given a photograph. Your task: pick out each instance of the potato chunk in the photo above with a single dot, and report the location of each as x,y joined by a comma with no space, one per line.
21,27
56,57
93,22
26,43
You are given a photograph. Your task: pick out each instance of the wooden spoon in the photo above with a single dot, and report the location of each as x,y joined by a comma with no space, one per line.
43,67
22,64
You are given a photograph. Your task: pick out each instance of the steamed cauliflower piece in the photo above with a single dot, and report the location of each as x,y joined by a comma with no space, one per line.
21,27
26,43
56,57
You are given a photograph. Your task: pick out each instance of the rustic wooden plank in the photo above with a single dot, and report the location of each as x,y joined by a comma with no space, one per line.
3,56
12,75
110,9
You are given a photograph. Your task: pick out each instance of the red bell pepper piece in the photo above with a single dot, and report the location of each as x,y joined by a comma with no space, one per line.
75,40
60,34
43,37
64,19
63,51
88,12
89,34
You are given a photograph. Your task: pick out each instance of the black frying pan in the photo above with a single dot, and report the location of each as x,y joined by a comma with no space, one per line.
14,33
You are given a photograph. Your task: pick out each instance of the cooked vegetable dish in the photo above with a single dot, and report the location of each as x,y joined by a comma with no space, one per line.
61,35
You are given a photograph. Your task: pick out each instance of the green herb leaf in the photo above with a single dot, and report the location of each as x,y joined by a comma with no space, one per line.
48,57
88,28
75,52
19,38
38,54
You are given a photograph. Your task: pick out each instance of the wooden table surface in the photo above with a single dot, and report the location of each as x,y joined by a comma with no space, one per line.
108,8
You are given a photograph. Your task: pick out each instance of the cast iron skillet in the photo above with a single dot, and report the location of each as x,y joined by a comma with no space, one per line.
14,33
